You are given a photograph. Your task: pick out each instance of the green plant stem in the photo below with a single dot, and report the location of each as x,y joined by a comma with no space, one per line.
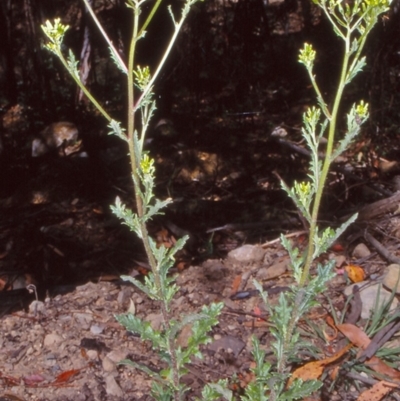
329,148
135,165
100,27
149,18
82,87
319,96
178,27
317,203
318,196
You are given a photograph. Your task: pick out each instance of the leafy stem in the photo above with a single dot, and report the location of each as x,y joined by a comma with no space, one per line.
356,20
55,32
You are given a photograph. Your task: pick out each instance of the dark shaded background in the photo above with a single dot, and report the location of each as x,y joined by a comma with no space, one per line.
232,78
232,57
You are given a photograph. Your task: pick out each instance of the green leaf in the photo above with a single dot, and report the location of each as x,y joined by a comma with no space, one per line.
136,325
355,70
116,129
214,391
156,208
73,65
299,390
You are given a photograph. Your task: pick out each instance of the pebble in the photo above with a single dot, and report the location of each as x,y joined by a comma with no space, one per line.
117,355
108,365
52,339
155,320
268,273
340,260
96,329
391,279
369,296
361,251
92,354
112,388
247,254
84,320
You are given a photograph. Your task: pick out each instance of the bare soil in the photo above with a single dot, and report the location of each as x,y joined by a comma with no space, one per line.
57,233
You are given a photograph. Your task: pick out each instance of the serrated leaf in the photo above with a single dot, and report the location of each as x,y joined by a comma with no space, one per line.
155,209
357,68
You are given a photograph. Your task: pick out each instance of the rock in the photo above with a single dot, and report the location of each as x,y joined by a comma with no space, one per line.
214,270
361,251
112,388
84,320
61,138
96,329
228,343
155,320
108,365
92,354
369,296
52,339
37,308
268,273
391,279
340,260
247,254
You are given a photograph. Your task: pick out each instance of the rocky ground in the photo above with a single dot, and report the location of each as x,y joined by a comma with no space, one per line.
60,242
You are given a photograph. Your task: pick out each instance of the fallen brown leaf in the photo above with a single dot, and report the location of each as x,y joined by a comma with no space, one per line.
356,273
377,391
313,370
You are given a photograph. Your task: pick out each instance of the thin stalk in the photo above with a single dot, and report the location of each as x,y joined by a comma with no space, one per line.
162,62
317,202
82,87
319,96
326,164
135,165
149,18
103,32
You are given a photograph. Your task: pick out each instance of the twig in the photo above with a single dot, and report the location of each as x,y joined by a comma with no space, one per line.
275,241
250,226
381,249
380,338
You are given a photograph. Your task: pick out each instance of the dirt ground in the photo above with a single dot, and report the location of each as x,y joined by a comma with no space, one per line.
60,241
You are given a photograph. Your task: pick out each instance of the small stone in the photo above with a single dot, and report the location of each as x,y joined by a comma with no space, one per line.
361,251
155,320
340,260
96,329
117,356
369,295
228,343
247,254
268,273
92,354
52,339
108,365
84,320
139,300
391,278
112,388
122,297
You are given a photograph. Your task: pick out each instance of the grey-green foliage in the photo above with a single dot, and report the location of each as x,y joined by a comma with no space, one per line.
162,339
352,22
159,285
